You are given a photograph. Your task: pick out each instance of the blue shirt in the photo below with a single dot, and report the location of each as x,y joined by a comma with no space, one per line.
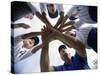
78,63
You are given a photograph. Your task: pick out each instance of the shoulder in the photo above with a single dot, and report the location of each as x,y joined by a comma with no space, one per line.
58,68
78,58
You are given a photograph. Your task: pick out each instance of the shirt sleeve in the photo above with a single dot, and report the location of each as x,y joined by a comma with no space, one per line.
84,32
43,7
60,8
72,10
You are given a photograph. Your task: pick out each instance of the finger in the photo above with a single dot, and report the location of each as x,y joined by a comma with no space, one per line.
58,22
68,29
68,24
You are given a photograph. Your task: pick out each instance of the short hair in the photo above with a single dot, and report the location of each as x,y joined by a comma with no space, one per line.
36,40
93,12
60,47
19,9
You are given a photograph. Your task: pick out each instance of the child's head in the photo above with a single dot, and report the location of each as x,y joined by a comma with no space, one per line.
30,42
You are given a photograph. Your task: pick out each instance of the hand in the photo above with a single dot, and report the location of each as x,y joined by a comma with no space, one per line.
49,33
66,26
46,31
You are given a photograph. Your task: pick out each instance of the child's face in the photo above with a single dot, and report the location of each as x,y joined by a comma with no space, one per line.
28,43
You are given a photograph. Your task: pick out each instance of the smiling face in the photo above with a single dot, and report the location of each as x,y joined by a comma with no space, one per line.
65,55
28,43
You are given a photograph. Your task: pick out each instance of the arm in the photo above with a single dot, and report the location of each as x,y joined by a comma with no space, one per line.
69,40
61,13
44,59
68,29
63,21
20,25
67,24
36,48
29,35
73,42
59,20
67,16
43,19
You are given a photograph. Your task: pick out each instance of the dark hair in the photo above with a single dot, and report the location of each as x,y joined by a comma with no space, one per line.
19,9
60,47
93,12
36,40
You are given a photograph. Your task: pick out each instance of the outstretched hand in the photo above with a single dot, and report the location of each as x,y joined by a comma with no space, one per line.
62,26
46,31
49,33
25,26
21,25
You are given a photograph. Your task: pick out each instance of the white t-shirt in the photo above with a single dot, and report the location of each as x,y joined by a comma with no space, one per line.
21,53
43,7
83,15
82,34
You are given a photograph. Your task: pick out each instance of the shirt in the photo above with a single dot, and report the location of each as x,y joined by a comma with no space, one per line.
82,34
83,15
21,53
78,63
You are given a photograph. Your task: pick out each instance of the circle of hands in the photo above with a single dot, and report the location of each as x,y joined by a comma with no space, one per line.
49,32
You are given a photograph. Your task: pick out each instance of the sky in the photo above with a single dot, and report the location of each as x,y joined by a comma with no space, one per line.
32,63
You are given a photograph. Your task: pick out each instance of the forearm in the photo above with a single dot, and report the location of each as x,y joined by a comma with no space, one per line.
44,61
59,20
43,19
17,26
36,48
20,25
68,29
63,21
29,35
73,42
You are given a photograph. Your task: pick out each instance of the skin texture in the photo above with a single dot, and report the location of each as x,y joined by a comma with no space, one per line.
66,39
20,25
28,43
